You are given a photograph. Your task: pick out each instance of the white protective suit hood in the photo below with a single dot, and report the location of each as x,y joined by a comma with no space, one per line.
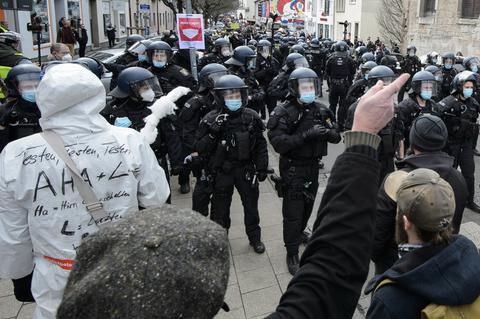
70,98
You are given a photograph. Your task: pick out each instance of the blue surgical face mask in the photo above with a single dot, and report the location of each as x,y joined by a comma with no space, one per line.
448,66
142,58
474,68
233,105
426,95
307,98
366,76
29,96
159,64
467,92
123,122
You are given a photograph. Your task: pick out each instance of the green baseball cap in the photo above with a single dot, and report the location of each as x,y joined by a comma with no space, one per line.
422,193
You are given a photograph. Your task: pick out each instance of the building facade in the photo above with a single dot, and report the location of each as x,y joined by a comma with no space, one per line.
361,16
319,18
444,26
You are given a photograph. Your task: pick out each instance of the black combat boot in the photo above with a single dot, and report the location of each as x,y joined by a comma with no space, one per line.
293,263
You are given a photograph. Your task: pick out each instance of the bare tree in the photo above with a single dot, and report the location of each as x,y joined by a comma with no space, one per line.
212,9
392,18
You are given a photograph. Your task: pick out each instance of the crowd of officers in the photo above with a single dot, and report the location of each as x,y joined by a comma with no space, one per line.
217,131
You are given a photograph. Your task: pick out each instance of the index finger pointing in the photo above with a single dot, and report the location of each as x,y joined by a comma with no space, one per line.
396,85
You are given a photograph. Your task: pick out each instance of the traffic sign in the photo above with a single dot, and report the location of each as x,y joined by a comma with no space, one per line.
190,31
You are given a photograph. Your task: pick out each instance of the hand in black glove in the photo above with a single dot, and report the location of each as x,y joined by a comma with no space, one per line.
261,176
219,125
314,132
176,170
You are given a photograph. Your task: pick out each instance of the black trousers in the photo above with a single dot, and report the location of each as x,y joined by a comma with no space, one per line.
81,49
164,164
271,103
222,199
111,42
337,97
463,154
301,188
202,196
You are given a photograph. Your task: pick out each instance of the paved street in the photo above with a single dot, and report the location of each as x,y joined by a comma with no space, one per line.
256,281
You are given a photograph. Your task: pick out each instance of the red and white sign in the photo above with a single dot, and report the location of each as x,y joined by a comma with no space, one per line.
190,31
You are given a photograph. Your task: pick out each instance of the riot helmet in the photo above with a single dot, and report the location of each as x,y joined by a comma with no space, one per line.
471,63
459,81
368,57
159,54
341,46
390,61
264,48
139,49
243,56
432,58
132,39
303,84
295,61
448,60
366,68
92,64
137,83
253,43
315,44
436,71
411,50
380,72
230,92
424,84
12,39
223,47
297,48
291,40
22,81
209,75
361,50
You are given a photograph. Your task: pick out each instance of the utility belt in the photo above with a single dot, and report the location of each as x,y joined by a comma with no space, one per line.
292,162
342,81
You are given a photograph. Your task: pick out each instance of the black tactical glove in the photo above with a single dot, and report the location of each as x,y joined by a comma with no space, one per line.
219,125
314,132
262,175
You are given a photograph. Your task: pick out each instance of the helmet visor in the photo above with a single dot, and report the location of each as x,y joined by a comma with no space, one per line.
226,50
159,55
27,82
137,49
265,51
425,86
251,63
213,77
232,94
304,86
139,88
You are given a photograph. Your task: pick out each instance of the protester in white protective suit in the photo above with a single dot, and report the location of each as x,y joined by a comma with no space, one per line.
42,217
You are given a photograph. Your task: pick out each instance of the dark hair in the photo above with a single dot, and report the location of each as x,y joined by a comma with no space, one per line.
444,236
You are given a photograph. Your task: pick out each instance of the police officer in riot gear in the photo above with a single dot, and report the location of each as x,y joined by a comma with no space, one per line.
137,89
278,88
19,115
340,71
297,48
190,116
252,44
390,134
368,57
267,69
448,74
134,56
231,138
243,64
419,102
432,58
471,63
361,83
169,75
316,59
128,57
222,51
359,52
92,64
300,130
411,64
460,111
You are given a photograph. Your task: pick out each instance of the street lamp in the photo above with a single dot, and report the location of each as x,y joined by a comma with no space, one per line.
345,27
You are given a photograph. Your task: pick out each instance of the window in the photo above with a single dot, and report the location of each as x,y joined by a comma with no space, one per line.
352,2
40,9
327,8
427,8
340,6
470,9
